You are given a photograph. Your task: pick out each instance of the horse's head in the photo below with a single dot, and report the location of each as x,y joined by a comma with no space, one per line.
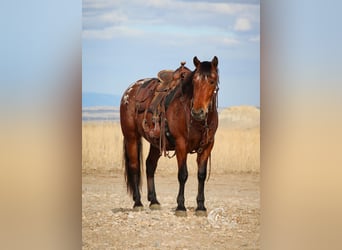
205,81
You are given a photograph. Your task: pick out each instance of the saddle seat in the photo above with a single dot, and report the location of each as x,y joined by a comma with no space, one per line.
166,75
171,78
158,90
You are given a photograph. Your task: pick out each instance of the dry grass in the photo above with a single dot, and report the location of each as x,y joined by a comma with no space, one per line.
235,150
101,147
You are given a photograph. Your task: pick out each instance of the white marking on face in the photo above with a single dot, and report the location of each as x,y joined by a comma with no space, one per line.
198,78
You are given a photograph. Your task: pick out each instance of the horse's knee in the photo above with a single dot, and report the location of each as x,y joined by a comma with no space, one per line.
150,170
201,176
202,173
182,174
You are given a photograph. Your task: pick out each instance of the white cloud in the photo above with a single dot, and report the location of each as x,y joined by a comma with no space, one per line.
204,7
230,41
100,4
113,17
255,39
110,32
105,19
229,9
242,24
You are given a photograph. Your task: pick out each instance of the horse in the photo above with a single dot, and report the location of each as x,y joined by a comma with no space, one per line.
188,125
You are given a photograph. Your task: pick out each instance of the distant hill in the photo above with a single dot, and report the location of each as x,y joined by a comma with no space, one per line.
90,99
240,117
101,113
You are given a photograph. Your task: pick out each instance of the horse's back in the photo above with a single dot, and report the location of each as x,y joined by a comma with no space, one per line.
127,108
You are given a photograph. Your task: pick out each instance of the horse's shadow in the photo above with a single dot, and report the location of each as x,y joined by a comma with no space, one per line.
126,210
121,209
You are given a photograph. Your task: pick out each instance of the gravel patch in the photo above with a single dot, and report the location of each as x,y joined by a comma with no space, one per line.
233,221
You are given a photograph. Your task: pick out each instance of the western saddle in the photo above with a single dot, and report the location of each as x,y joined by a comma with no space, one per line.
150,99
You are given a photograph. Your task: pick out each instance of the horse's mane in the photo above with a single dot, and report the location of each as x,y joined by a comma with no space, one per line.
186,84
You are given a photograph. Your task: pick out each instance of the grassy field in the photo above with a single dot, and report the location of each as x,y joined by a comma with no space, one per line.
237,149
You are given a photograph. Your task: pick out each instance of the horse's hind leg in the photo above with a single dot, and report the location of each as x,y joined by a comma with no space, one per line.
151,165
132,151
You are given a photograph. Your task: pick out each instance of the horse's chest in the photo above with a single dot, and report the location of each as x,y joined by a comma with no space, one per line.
194,136
196,139
200,137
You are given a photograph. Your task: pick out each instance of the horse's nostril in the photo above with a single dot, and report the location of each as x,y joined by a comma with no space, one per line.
198,114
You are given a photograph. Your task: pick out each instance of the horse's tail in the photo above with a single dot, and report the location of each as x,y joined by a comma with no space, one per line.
132,175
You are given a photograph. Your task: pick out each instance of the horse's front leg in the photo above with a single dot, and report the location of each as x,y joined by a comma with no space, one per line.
182,177
202,162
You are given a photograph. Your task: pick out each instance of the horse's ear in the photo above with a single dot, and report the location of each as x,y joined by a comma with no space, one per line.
215,61
196,62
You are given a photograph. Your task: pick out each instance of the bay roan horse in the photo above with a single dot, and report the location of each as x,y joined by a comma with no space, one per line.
191,121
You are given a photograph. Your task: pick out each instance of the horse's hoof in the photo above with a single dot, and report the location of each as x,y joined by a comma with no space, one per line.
201,213
180,213
138,208
155,206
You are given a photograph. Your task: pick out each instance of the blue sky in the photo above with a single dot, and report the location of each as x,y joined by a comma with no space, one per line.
123,41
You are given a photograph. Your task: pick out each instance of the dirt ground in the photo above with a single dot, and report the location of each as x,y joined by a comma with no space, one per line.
233,221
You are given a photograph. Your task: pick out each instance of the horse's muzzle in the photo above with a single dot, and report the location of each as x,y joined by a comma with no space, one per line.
199,114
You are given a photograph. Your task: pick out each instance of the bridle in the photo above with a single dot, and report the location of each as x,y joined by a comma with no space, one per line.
206,137
204,126
214,97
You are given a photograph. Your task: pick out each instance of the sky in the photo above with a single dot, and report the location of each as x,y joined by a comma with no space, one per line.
123,41
301,100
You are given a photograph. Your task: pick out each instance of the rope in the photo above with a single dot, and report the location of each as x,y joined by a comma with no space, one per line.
209,167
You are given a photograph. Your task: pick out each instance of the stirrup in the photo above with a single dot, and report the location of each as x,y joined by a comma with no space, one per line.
155,132
145,126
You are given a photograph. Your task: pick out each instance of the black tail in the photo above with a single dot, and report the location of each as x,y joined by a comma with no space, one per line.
132,175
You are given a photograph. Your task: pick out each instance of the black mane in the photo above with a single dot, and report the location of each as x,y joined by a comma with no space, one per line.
186,85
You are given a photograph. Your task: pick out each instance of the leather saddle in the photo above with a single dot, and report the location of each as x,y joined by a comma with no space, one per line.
171,78
151,95
145,93
155,88
166,75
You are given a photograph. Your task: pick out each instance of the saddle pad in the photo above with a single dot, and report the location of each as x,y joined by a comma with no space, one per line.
147,89
171,95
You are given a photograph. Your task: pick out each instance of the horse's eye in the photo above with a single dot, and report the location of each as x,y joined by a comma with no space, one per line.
212,82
